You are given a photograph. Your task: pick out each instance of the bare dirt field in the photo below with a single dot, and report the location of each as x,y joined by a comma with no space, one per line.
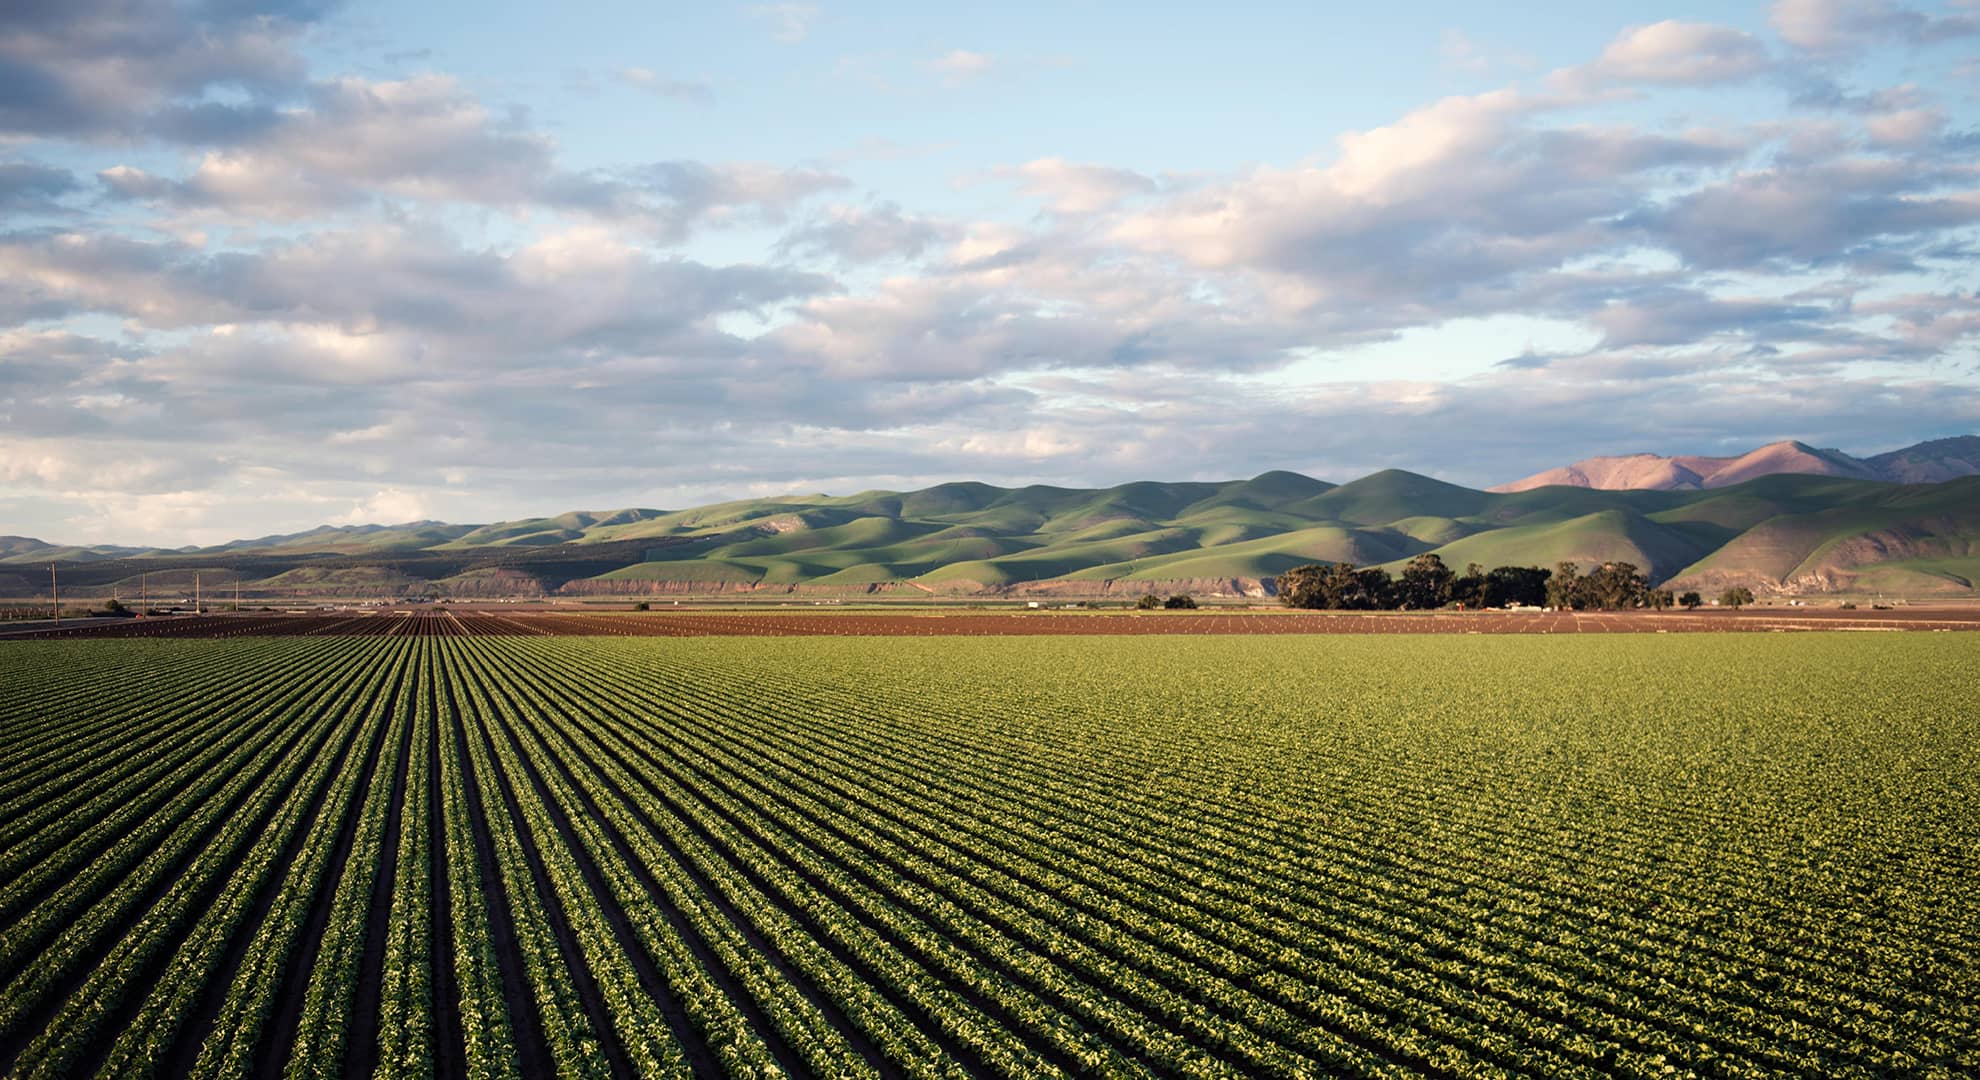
467,621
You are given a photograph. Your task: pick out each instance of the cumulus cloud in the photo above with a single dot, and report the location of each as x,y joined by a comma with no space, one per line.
1904,127
28,187
1833,26
367,299
104,68
393,297
1675,316
423,137
691,191
1071,188
861,234
1672,53
1451,206
74,466
392,506
1810,214
427,139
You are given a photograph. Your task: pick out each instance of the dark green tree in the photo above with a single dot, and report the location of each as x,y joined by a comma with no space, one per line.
1341,586
1148,602
1690,601
1468,589
1425,583
1564,589
1613,586
1736,597
1300,586
1340,589
1374,590
1180,602
1524,586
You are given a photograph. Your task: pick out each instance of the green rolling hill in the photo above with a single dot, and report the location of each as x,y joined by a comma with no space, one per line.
1779,534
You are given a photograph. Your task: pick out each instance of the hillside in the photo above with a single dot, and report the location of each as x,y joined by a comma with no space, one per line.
1778,534
1926,463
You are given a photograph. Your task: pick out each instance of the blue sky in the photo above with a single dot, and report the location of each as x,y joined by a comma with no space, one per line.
270,263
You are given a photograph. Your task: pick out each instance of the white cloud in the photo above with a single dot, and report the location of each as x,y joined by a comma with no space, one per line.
1835,26
856,234
391,506
427,140
1672,53
789,23
958,66
116,69
1078,189
353,295
1905,127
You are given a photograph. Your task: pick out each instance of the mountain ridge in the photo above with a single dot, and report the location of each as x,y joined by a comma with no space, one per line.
1933,461
1782,533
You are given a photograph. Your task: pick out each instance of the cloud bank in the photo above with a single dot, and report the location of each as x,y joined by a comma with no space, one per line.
238,294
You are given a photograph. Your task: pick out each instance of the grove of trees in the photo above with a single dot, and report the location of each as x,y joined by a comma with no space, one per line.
1426,583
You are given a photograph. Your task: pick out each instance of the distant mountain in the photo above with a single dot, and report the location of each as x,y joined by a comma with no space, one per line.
1931,462
1926,463
26,549
1781,533
21,545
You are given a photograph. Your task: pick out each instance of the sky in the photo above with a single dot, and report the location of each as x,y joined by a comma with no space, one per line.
270,264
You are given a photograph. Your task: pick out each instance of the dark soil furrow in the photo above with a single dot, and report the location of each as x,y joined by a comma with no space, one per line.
38,1017
977,1000
450,1044
710,962
582,979
831,1010
707,888
532,1049
185,1046
361,1041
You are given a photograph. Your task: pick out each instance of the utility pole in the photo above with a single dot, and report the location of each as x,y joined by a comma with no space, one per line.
237,593
195,592
54,594
144,585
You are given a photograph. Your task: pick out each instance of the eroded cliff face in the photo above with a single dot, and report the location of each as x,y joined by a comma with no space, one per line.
1133,587
1071,590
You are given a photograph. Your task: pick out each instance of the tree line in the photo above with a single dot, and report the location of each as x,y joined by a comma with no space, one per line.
1426,584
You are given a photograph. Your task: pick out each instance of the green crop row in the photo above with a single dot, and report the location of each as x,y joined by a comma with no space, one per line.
991,857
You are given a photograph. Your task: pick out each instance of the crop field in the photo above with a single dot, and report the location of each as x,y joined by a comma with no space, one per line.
481,854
